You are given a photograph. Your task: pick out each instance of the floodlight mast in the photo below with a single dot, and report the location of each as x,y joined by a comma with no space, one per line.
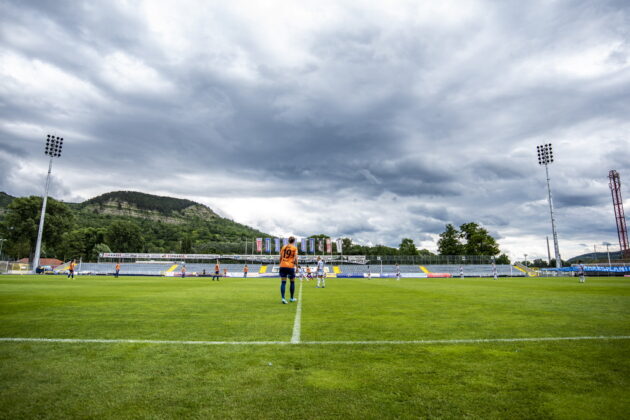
545,157
53,149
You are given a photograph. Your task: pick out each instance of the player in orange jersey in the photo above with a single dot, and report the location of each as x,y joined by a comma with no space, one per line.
217,271
71,268
288,262
117,270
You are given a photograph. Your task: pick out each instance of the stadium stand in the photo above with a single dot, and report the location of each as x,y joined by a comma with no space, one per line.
136,269
347,270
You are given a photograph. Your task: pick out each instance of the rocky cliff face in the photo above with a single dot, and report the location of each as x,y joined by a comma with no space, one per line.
116,207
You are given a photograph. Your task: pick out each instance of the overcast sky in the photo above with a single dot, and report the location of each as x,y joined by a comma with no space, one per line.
373,120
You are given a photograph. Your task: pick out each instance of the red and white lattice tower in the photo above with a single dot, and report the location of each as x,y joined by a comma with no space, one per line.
622,231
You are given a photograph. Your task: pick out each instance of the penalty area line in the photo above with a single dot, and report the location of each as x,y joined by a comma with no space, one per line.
312,343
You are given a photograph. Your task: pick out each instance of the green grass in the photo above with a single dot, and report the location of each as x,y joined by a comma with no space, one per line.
559,379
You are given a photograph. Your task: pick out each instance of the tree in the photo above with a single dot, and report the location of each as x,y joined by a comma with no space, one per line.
21,222
425,252
98,249
478,240
407,247
503,259
124,236
449,243
80,243
381,250
346,244
186,246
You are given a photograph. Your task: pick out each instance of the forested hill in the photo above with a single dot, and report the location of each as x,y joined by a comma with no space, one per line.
142,201
5,199
120,221
147,206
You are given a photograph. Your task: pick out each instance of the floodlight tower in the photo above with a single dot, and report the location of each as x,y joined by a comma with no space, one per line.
52,149
545,157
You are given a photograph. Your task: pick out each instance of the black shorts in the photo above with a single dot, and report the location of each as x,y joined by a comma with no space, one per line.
287,272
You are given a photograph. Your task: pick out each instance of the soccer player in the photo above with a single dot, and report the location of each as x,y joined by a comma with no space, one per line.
225,272
71,269
117,270
288,261
309,276
581,272
397,272
217,271
183,271
461,271
369,273
301,273
321,276
245,271
494,270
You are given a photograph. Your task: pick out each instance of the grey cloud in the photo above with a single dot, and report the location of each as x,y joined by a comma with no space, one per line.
565,199
435,117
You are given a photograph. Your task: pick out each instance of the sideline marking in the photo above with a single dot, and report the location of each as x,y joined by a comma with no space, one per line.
297,324
266,343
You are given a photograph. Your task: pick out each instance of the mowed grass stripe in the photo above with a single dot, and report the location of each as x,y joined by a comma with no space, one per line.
150,308
413,309
292,342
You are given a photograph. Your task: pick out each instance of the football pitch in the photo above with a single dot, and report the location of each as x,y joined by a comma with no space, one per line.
157,347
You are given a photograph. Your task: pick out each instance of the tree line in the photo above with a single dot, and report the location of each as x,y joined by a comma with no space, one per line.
73,233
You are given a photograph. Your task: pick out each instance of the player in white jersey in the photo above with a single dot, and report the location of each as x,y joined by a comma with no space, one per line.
321,276
580,269
494,270
461,271
397,272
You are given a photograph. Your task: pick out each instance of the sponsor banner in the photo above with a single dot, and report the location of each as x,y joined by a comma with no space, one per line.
303,244
285,241
340,246
277,244
258,244
267,244
159,256
328,246
603,269
384,275
311,245
320,245
356,259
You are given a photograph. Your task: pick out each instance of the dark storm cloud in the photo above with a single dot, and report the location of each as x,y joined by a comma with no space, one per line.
428,115
564,199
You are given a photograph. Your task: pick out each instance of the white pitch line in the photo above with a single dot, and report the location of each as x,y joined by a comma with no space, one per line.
470,341
267,343
297,324
131,341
